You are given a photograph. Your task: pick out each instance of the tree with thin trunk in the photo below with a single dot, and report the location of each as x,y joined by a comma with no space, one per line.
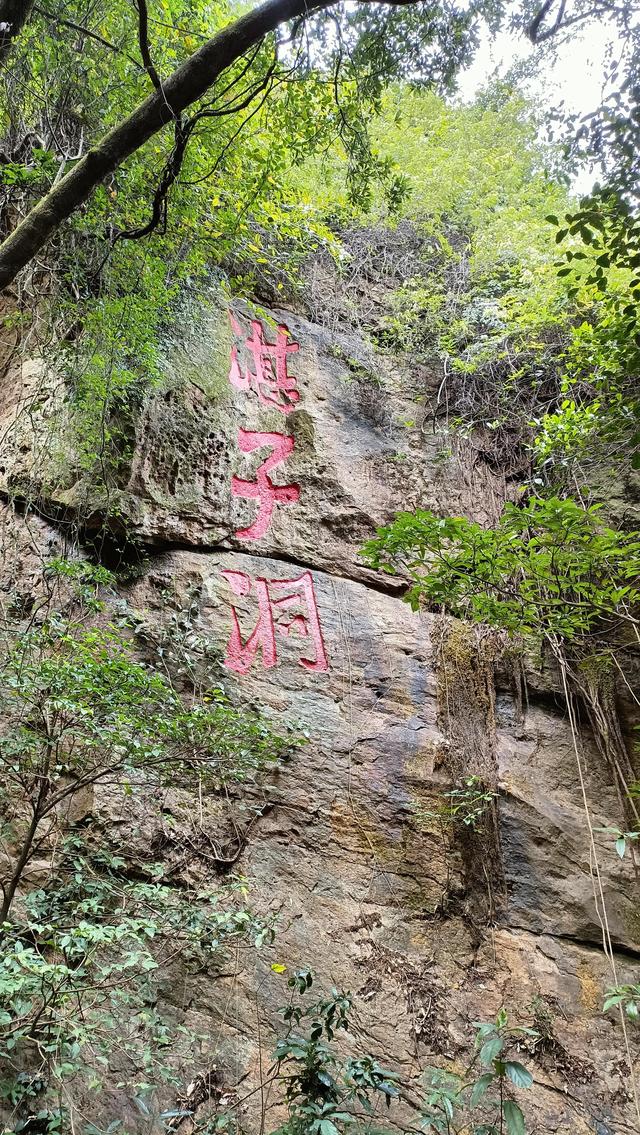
79,710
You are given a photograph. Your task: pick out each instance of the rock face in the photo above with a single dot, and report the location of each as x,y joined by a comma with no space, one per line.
370,891
359,454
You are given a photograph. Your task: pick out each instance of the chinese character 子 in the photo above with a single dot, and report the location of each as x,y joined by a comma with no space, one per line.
263,489
285,607
270,379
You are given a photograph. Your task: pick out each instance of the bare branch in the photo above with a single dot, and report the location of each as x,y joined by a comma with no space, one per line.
537,36
143,42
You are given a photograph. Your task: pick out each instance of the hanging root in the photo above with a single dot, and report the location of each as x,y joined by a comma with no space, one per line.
593,681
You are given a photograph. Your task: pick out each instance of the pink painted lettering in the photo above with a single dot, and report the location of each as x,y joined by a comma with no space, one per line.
307,625
270,379
263,489
240,655
285,607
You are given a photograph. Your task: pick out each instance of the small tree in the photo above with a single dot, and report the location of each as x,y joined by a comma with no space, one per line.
478,1102
324,1093
80,979
79,709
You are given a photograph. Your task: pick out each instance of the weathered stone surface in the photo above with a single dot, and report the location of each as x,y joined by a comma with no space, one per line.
365,445
369,894
363,448
371,898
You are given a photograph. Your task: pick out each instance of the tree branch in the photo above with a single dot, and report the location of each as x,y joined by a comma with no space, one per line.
174,165
143,42
537,36
86,32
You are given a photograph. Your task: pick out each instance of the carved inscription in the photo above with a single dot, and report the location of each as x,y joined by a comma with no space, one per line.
286,608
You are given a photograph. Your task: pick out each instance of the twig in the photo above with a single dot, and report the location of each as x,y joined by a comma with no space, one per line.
86,31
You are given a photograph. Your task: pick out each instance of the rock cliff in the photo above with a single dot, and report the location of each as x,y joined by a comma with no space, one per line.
248,547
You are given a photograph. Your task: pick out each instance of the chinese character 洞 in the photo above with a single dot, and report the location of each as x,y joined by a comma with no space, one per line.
285,607
263,489
270,378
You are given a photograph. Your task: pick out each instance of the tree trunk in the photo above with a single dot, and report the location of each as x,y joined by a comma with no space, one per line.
13,16
9,891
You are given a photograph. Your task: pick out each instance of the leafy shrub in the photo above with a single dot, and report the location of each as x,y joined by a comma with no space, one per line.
466,1103
549,567
323,1092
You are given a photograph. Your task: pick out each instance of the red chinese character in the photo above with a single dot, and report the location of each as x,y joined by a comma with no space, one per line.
276,598
263,488
270,379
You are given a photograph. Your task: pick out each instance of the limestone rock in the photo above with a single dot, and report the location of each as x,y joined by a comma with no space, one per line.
367,888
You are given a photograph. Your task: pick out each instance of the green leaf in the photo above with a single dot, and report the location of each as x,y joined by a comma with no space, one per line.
480,1087
328,1128
484,1028
388,1088
491,1049
513,1117
612,1002
518,1074
621,846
